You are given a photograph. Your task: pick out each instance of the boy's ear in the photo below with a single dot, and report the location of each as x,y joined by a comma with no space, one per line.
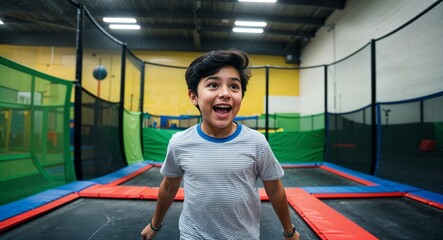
192,97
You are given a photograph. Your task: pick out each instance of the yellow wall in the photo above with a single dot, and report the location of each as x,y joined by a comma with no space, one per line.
56,61
165,90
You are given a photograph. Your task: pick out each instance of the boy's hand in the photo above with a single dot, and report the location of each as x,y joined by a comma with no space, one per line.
148,233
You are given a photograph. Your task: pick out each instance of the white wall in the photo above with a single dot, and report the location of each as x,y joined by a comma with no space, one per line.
354,27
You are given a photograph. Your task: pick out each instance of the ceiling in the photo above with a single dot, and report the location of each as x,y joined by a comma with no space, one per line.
176,25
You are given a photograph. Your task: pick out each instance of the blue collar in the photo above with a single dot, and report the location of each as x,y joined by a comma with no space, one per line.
219,140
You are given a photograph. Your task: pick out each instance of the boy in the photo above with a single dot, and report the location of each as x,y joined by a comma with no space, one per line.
220,160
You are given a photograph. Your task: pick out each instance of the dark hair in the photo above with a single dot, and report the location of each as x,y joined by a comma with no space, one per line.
212,62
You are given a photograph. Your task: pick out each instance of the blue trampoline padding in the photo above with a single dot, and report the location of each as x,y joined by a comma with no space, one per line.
119,173
398,186
348,189
15,208
435,197
360,175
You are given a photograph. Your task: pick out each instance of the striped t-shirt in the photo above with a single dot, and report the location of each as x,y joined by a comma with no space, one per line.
220,181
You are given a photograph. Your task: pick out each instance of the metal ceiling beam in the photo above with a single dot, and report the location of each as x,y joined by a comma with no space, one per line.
334,4
306,34
268,18
136,42
190,27
197,22
215,16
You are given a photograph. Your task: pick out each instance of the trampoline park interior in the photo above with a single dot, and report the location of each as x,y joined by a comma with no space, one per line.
356,120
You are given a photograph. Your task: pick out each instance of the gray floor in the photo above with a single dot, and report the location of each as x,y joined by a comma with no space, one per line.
89,218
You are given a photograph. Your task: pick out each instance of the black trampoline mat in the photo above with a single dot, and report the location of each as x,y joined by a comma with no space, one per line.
150,177
313,177
294,177
89,218
392,218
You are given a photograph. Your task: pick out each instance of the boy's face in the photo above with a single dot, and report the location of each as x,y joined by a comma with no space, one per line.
219,99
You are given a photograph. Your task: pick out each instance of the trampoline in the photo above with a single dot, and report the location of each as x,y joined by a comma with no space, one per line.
392,218
326,202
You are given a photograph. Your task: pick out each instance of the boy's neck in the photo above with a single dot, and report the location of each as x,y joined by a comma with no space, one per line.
219,132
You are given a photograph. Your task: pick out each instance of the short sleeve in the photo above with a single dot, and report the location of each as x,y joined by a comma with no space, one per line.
268,167
170,167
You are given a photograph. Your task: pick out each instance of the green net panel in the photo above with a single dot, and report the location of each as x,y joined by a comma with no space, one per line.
293,122
34,132
294,139
134,80
131,137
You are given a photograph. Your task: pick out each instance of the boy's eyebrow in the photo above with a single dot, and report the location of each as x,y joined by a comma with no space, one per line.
218,78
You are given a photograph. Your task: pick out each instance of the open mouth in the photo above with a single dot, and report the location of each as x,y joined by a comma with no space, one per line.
222,108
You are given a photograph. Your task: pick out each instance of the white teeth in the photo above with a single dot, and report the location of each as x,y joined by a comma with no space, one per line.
223,106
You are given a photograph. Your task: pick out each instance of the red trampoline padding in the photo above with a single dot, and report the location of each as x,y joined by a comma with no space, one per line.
324,220
358,195
111,191
151,193
424,200
263,195
10,222
132,192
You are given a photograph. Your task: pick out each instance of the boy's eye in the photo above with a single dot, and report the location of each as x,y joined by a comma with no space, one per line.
235,86
212,85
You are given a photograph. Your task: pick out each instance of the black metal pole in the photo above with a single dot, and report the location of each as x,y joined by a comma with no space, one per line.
325,144
122,104
374,134
78,95
142,102
267,104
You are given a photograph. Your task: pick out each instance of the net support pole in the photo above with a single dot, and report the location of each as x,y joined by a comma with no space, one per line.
142,102
374,135
325,144
267,103
121,111
78,95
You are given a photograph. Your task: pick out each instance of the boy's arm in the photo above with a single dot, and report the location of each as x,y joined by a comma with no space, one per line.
166,194
277,195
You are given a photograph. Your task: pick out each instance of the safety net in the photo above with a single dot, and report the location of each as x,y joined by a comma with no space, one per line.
385,105
100,118
132,116
410,102
410,139
34,131
349,124
349,139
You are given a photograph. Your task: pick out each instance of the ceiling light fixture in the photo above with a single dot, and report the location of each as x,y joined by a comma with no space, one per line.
1,22
124,26
259,1
119,20
248,30
251,23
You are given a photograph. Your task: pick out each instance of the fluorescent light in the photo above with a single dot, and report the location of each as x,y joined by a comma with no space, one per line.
248,30
250,24
124,26
1,22
119,20
259,1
